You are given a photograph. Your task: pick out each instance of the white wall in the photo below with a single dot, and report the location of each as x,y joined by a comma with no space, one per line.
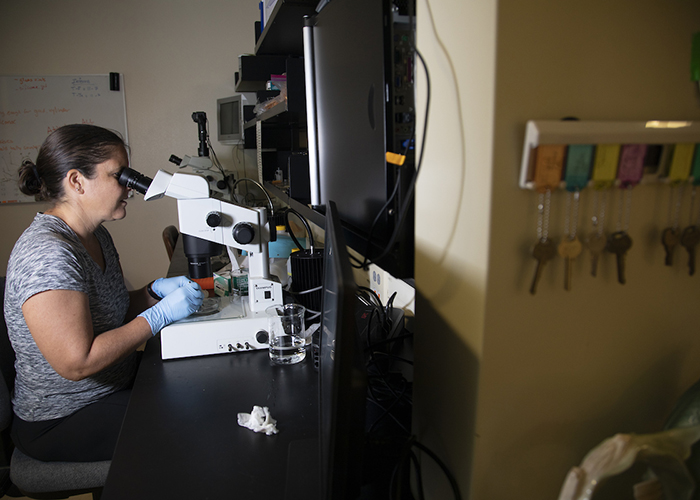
513,389
177,57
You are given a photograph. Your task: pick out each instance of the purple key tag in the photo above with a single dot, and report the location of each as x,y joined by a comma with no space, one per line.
631,167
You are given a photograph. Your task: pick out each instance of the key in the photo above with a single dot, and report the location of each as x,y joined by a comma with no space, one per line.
596,244
569,248
543,252
670,238
619,243
689,240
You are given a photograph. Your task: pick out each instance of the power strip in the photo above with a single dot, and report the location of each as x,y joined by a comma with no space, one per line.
384,285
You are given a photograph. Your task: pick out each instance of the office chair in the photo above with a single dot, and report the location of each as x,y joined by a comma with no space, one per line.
28,476
170,236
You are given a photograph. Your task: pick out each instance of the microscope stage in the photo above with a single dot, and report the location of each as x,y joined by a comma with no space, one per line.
234,328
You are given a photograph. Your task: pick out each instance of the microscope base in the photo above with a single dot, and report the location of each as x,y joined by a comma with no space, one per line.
234,328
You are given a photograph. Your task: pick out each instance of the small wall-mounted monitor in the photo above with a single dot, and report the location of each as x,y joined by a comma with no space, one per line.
230,118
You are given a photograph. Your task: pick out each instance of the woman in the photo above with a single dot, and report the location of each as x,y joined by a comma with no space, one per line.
73,325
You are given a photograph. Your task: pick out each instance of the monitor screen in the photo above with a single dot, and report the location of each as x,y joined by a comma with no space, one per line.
342,375
230,119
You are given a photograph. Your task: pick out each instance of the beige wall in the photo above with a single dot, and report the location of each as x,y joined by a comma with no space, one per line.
513,389
176,57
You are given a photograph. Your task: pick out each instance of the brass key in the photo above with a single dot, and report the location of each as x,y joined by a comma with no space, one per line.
670,238
543,251
569,248
689,240
596,244
619,243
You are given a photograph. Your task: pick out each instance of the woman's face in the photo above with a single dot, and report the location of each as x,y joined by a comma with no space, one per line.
106,198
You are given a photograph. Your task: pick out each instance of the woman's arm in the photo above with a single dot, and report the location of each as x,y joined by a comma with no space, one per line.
61,325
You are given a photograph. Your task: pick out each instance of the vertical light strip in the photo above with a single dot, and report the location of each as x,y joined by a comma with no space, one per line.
258,145
309,79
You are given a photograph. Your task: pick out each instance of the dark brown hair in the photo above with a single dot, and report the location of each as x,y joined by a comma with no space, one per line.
79,147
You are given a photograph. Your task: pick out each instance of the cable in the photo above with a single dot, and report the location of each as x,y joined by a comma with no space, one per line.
412,185
408,199
306,226
269,200
397,474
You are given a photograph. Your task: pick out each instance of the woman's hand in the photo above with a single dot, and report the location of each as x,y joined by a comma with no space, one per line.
165,286
177,305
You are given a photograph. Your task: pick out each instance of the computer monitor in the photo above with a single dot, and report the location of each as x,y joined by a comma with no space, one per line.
363,107
342,375
230,118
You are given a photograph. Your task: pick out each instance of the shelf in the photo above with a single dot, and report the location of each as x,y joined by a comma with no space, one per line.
311,215
283,31
295,104
275,110
254,71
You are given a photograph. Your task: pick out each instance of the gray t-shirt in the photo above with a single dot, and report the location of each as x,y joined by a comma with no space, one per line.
50,256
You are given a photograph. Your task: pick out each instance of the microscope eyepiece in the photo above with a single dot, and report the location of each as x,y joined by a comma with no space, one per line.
134,180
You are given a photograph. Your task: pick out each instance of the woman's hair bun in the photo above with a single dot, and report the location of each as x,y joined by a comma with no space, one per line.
29,178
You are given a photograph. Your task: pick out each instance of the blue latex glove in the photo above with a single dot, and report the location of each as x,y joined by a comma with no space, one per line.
165,286
174,306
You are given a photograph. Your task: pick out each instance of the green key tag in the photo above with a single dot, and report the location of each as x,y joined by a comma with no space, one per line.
696,167
579,158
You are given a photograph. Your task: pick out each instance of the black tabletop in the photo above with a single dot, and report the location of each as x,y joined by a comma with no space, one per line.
181,439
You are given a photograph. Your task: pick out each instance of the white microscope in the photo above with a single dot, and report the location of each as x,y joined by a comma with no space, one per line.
240,323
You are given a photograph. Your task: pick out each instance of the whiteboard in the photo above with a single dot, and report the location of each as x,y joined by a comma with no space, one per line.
33,106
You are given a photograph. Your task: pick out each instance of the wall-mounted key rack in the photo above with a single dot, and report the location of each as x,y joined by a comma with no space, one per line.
572,154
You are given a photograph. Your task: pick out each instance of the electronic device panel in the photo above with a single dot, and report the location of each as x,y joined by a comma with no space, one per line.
342,373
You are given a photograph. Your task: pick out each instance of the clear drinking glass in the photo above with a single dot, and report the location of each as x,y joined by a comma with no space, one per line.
286,332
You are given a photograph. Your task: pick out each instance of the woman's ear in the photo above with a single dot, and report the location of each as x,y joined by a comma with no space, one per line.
75,181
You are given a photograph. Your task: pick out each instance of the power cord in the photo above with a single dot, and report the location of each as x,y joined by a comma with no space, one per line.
398,479
390,393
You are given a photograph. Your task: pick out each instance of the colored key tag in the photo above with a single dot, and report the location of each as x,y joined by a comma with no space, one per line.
549,163
631,166
696,167
605,165
681,163
579,158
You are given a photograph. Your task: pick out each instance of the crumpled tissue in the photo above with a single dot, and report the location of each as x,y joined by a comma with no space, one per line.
259,420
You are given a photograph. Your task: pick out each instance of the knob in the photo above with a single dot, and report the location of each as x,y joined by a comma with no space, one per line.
261,337
243,233
213,219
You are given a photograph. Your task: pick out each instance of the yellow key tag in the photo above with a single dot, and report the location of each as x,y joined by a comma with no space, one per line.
682,160
605,163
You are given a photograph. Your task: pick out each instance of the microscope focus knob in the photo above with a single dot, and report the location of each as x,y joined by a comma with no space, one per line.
213,219
243,233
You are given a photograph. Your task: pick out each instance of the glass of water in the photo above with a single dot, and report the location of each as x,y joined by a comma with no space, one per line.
286,333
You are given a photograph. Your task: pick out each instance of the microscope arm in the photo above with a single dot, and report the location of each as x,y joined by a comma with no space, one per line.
225,223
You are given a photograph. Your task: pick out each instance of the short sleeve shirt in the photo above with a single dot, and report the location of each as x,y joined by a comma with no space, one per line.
50,256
